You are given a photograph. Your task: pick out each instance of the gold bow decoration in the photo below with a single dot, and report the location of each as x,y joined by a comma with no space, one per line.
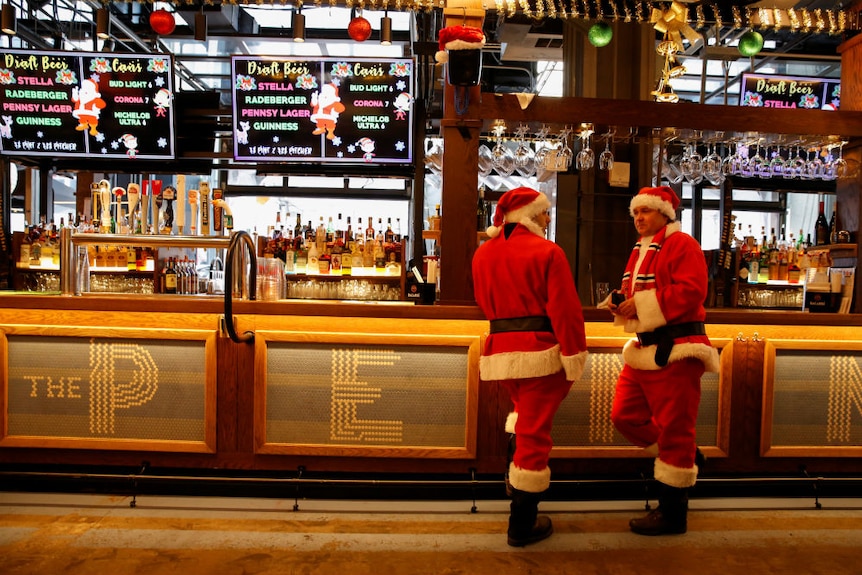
673,23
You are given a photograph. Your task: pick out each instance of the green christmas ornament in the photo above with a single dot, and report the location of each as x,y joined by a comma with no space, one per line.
750,43
600,34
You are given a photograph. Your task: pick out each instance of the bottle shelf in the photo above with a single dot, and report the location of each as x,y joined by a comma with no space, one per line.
382,276
850,249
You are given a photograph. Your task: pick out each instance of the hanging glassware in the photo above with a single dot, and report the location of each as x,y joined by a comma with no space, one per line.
502,158
525,159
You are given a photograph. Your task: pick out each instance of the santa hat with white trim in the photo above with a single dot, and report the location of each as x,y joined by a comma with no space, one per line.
458,38
520,205
662,199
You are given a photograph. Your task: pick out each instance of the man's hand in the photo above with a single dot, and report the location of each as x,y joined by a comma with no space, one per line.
626,309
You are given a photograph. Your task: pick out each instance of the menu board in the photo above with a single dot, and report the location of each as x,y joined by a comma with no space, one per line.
66,104
328,110
790,92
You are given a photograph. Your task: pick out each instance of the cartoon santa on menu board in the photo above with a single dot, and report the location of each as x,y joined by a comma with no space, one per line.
88,104
326,106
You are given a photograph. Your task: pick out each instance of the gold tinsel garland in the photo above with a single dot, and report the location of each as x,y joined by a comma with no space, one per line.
638,11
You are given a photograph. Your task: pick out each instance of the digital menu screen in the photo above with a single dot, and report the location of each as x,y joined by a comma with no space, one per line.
328,110
66,104
790,92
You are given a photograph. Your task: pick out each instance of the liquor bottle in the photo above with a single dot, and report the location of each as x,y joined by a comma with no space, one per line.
833,227
297,229
330,230
369,231
368,255
754,268
339,231
313,255
347,259
171,277
821,228
379,257
320,237
289,258
397,229
335,258
301,265
357,260
379,237
389,236
24,254
348,234
435,221
162,272
132,257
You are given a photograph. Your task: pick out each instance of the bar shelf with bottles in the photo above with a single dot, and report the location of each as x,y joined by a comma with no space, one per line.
796,275
332,262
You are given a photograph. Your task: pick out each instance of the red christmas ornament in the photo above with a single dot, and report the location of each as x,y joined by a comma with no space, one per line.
359,29
162,22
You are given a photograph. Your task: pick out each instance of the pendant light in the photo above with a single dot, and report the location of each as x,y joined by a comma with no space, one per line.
201,26
298,26
8,20
386,30
103,24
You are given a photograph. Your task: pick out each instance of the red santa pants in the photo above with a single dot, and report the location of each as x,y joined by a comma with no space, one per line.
536,402
660,406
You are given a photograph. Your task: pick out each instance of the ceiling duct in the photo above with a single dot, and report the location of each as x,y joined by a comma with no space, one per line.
526,42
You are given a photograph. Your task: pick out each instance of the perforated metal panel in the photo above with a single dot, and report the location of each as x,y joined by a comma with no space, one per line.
817,398
584,418
342,394
97,388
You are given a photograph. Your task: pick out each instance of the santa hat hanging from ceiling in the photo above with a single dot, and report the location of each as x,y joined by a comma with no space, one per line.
458,38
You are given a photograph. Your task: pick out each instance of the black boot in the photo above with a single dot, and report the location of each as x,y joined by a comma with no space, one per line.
510,456
525,524
669,518
699,458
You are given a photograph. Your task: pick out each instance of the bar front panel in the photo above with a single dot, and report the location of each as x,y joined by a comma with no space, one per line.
384,396
126,390
583,427
812,399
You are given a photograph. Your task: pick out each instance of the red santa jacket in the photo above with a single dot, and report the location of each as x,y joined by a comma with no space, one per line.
681,280
526,275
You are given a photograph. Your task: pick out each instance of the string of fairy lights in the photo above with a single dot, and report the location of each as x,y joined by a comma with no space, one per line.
802,20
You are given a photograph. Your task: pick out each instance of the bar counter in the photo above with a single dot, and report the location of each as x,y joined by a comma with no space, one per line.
387,387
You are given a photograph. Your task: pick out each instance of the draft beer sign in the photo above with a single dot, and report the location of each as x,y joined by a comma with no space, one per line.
767,91
78,104
322,110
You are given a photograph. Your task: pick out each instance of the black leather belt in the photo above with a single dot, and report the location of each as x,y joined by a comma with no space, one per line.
527,323
663,338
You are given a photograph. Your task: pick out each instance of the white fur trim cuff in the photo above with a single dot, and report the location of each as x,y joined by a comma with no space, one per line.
511,419
650,315
644,357
520,364
574,365
529,481
674,476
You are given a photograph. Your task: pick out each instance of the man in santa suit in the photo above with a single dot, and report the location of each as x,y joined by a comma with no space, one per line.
536,346
658,390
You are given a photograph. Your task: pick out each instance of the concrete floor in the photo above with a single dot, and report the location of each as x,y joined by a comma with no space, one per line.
60,534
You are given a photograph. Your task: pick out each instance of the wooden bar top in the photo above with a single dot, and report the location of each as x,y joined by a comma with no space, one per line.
406,310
